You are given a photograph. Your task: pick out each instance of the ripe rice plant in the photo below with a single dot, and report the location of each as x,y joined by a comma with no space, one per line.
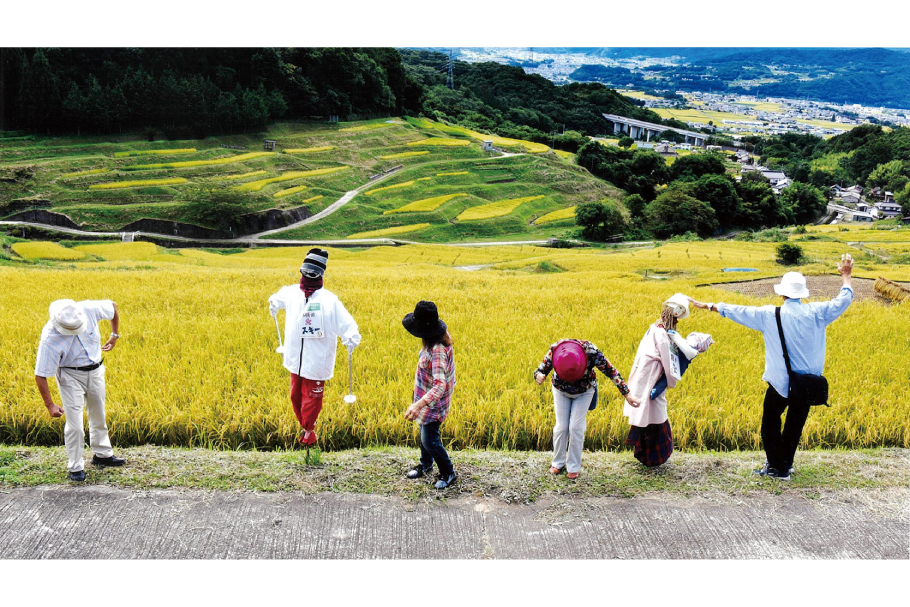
244,175
427,204
45,250
440,141
91,172
566,213
891,290
154,152
403,184
312,199
367,127
494,209
453,173
506,142
113,185
324,148
131,251
289,191
390,231
255,186
197,163
404,155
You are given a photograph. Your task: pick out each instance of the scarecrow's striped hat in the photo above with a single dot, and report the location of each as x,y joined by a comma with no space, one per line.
315,261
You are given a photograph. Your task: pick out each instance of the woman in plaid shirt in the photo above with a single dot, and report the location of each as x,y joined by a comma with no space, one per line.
574,393
433,386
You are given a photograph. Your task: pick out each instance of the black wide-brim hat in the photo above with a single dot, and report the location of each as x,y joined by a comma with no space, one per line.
424,321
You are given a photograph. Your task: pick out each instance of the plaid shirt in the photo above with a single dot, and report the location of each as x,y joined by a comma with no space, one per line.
596,359
434,383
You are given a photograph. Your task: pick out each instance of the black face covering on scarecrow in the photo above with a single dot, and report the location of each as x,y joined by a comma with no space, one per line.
312,270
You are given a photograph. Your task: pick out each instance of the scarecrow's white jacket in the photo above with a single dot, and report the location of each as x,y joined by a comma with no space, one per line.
313,358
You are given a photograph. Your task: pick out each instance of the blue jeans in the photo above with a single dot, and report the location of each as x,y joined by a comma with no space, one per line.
431,450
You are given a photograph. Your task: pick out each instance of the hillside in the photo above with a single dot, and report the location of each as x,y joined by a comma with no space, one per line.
103,184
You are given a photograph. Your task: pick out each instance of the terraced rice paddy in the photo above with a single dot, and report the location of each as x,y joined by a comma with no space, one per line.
427,204
495,209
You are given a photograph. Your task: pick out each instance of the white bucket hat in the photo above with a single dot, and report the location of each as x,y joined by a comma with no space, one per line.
793,285
68,317
680,305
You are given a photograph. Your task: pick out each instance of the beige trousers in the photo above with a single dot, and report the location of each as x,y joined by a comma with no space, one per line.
78,390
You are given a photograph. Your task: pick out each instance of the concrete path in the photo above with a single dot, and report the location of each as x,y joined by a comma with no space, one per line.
101,522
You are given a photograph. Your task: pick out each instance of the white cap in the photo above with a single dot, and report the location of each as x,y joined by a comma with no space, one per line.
680,305
68,317
793,285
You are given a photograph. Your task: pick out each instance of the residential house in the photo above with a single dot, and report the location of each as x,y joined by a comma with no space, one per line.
774,176
887,210
861,216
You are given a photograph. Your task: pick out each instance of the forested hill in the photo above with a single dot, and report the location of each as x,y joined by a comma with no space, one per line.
506,100
194,92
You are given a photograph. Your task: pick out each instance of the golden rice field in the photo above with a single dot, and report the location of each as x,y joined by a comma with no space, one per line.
197,163
440,141
368,127
404,155
289,191
255,186
154,152
196,363
113,185
390,231
495,209
427,204
322,148
529,146
403,184
45,250
453,173
566,213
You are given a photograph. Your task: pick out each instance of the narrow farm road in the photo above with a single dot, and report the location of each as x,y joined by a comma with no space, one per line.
103,522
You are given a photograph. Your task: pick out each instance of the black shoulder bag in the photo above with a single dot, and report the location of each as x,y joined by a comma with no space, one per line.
805,387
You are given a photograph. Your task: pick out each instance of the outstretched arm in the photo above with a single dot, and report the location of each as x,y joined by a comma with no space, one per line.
747,316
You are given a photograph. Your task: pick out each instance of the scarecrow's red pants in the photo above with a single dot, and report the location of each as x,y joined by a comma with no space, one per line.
306,397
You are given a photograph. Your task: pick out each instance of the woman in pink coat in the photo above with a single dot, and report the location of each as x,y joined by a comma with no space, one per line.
650,434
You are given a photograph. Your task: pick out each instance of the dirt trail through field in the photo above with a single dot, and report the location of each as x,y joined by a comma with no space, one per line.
102,522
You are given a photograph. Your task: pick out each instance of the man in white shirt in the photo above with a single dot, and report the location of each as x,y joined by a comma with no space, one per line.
804,327
70,350
314,320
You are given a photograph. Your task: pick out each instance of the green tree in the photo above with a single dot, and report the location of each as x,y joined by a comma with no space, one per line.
636,205
674,211
216,208
690,168
719,191
789,254
599,220
902,197
803,201
625,142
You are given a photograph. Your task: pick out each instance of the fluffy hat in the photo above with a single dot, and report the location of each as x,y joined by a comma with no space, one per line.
315,261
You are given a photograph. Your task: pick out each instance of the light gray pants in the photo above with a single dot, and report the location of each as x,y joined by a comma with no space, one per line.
78,390
569,431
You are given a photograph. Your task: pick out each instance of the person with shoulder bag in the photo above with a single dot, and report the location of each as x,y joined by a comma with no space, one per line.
794,335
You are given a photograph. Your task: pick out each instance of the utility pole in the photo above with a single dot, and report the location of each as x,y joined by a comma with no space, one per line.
450,77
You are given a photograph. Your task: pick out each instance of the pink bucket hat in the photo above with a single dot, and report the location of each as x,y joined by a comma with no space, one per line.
570,360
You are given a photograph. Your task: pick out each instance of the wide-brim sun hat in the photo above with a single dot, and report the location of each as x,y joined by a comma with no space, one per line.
68,317
424,321
792,285
570,361
680,305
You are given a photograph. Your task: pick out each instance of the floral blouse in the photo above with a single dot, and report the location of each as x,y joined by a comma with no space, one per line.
596,359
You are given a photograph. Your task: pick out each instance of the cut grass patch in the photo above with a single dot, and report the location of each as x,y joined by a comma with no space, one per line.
153,152
45,250
495,209
566,213
390,231
404,155
113,185
427,204
255,186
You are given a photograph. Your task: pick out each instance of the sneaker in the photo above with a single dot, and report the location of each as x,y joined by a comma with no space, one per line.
761,471
773,473
766,466
442,483
78,476
419,471
107,462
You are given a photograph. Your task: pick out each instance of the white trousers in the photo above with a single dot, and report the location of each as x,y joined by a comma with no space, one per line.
78,390
569,431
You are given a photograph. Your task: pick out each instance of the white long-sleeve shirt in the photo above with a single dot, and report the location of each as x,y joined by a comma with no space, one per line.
57,349
311,329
